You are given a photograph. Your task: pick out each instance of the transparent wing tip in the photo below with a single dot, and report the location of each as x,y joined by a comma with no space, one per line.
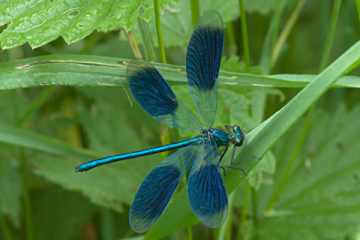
214,220
211,19
139,224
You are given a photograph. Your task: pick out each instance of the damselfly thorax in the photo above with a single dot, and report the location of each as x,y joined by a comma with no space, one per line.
223,137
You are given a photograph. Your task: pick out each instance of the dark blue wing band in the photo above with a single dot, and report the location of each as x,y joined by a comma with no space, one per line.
207,195
204,57
152,92
153,196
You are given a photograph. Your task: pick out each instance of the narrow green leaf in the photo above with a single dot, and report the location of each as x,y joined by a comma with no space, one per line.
331,34
29,139
244,33
263,137
82,70
159,32
10,190
259,140
147,40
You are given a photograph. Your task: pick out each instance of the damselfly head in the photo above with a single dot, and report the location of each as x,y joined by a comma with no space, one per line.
237,135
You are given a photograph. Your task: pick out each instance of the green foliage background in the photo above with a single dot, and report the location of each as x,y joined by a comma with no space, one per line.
64,100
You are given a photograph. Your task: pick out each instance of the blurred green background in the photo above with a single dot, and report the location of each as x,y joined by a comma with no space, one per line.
306,187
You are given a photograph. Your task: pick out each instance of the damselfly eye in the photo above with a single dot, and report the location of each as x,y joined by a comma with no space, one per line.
238,136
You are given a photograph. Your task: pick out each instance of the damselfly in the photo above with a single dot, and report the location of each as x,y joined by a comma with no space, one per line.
197,158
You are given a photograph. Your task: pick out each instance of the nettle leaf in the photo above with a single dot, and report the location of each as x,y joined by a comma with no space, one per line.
39,22
108,130
319,194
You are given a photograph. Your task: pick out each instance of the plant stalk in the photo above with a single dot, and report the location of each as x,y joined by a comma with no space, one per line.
286,32
329,42
6,233
195,12
244,33
159,32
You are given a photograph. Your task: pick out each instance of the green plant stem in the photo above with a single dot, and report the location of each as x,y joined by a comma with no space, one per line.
357,2
230,35
189,233
159,32
286,32
271,36
107,225
244,33
6,233
226,229
254,212
331,34
28,217
134,46
147,40
26,196
195,12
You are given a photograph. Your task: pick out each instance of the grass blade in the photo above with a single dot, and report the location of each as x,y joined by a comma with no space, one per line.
29,139
83,70
261,139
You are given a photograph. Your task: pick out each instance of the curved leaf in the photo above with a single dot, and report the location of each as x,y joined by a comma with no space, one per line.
82,70
39,22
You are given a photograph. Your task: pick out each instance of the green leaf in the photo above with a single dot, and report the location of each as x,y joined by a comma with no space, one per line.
357,2
10,188
321,195
263,137
110,187
11,185
40,22
262,173
82,70
69,211
108,130
30,139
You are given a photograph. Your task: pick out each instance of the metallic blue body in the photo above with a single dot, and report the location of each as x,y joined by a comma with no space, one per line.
197,158
220,137
123,156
